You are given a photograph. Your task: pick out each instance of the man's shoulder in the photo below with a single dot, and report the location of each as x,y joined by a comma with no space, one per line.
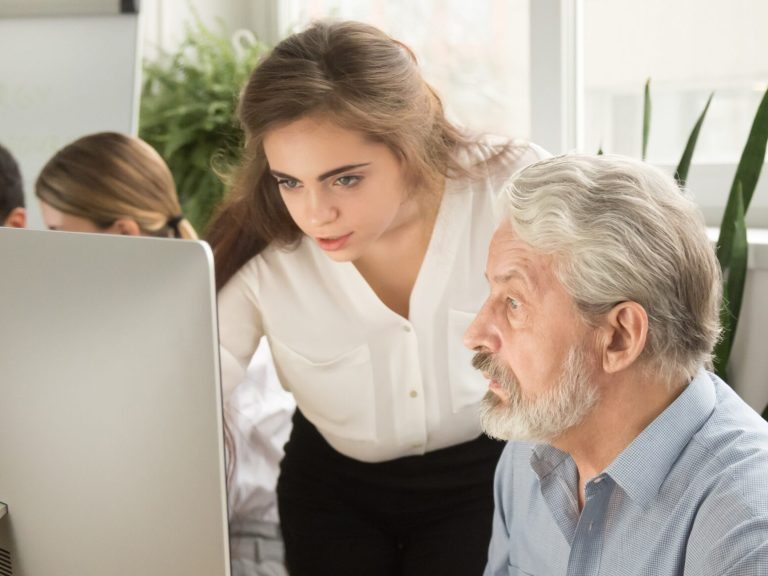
729,532
731,450
734,435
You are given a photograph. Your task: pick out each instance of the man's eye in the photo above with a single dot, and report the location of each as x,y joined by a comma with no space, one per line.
512,303
348,181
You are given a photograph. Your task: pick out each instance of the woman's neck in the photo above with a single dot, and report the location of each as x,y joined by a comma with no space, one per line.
392,264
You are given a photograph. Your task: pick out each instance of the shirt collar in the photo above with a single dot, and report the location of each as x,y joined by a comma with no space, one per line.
545,459
642,467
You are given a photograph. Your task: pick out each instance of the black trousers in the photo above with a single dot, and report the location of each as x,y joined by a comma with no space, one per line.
413,516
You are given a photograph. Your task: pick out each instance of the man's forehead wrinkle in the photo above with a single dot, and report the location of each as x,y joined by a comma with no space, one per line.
514,260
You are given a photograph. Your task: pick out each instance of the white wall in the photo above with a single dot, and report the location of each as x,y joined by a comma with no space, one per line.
61,78
748,369
163,21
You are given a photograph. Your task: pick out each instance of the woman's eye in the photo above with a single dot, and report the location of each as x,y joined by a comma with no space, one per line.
512,303
348,181
288,183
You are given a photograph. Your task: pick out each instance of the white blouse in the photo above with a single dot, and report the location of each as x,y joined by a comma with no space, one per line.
376,385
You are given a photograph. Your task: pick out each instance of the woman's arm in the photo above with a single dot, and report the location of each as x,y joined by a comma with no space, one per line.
240,327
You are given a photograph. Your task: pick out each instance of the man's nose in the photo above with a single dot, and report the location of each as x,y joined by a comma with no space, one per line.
482,335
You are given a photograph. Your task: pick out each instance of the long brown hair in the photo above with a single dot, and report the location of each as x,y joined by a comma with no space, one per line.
360,78
107,176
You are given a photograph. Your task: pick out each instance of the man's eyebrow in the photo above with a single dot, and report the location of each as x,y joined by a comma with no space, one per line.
324,175
512,274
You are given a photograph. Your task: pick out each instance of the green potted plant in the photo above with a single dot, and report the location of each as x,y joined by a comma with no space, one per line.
732,243
188,112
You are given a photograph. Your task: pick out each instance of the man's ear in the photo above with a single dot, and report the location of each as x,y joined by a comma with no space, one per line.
624,334
17,218
126,227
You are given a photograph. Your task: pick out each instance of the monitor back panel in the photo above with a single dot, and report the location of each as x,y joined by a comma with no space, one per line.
111,454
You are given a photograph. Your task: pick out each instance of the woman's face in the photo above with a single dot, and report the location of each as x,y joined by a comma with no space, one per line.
57,220
344,191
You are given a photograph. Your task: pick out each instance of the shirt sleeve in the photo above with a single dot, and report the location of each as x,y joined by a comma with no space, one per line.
729,536
240,327
741,551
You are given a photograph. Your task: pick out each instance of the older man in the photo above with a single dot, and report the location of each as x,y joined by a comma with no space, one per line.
626,456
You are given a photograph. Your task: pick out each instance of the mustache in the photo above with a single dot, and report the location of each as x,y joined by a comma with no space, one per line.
486,362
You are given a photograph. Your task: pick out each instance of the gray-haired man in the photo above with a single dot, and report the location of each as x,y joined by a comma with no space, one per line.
627,457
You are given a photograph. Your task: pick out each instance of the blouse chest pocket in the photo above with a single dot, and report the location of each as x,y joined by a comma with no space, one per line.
467,384
335,394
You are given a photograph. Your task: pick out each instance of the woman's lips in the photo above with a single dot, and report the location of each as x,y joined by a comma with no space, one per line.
333,243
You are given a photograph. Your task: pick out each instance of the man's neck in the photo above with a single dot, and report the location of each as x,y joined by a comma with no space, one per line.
628,404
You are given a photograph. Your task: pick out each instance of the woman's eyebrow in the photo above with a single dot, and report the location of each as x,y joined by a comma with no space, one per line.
324,175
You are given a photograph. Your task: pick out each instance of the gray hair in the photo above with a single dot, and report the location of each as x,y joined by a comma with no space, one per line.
621,230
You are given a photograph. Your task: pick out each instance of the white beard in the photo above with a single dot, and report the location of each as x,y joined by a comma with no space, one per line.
545,416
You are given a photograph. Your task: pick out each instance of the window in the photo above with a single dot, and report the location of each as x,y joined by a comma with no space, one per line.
476,54
688,49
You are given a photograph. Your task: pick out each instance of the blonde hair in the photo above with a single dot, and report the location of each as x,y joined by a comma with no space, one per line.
108,176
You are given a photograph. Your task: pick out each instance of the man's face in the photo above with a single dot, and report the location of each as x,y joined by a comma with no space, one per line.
533,346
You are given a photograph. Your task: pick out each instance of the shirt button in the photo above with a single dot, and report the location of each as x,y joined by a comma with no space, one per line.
406,328
413,394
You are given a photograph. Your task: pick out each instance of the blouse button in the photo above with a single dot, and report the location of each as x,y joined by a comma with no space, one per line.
406,328
413,394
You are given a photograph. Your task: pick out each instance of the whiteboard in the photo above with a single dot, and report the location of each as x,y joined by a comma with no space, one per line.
61,78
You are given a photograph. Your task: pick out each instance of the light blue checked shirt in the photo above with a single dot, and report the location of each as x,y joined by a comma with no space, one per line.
688,496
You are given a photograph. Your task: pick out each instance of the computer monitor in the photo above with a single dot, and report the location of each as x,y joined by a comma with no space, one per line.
111,451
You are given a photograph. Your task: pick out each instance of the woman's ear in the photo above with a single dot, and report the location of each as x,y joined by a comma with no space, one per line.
126,227
625,332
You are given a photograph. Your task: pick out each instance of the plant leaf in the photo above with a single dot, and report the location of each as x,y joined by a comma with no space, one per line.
681,174
747,173
734,279
646,116
188,104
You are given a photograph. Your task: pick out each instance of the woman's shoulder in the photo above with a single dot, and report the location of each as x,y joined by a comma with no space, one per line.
531,152
502,153
278,254
492,160
275,257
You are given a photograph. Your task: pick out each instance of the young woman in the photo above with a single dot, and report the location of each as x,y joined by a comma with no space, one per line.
111,183
354,239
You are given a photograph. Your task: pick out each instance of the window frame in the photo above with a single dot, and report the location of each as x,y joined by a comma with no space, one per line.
558,115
